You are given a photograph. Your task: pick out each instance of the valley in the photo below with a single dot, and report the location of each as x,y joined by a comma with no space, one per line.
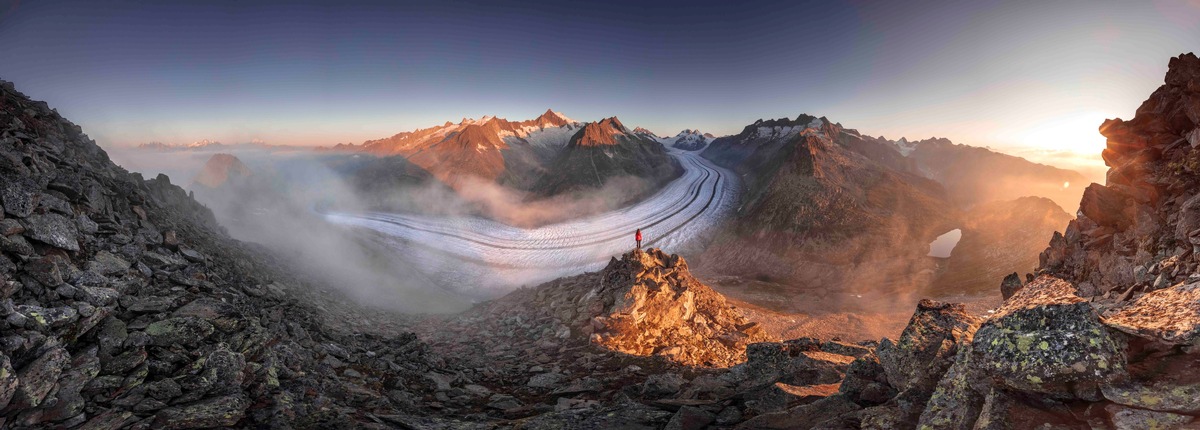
498,257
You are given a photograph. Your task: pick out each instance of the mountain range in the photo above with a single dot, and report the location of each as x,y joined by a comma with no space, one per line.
126,305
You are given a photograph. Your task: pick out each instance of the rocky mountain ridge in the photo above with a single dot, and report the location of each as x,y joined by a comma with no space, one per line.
124,305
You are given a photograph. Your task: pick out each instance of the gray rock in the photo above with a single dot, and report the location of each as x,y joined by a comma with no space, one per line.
661,384
214,412
226,367
46,271
20,196
178,331
39,377
503,402
8,381
1127,418
690,418
192,255
10,226
109,420
45,318
164,389
107,263
53,229
545,380
148,304
55,204
222,315
98,296
123,363
1010,285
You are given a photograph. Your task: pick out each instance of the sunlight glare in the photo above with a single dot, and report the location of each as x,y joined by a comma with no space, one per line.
1076,133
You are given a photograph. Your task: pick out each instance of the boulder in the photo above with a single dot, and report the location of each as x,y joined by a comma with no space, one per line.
214,412
1010,285
924,352
220,314
20,196
803,416
1127,418
957,401
1047,340
1106,207
53,229
38,377
107,263
866,382
8,381
178,331
690,418
1170,315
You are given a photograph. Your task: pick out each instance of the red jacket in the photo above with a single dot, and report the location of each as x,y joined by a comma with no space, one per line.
639,235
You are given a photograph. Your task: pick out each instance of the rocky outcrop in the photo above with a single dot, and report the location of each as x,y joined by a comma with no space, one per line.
1138,231
647,304
123,304
1105,336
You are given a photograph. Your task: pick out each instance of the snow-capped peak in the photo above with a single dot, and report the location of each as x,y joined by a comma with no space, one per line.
689,139
202,143
560,116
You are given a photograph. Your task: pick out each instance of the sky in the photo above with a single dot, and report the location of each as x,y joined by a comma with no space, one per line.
1031,77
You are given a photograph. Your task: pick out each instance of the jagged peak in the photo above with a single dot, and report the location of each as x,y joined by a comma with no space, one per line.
599,133
614,123
640,130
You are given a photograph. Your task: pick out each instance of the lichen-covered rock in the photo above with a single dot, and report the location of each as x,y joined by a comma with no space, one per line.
39,318
19,196
1127,418
107,263
1160,395
788,362
8,381
926,347
69,402
53,229
1010,285
178,331
214,412
39,377
220,314
1170,315
803,416
957,401
1047,340
866,382
1168,382
924,352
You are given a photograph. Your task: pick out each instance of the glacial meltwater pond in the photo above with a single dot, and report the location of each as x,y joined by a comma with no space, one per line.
944,244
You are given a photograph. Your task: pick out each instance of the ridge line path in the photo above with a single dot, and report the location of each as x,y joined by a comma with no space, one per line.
485,258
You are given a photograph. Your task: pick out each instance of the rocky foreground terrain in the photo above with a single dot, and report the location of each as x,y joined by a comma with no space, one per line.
125,305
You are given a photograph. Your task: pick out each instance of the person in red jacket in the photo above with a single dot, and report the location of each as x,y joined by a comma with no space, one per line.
638,237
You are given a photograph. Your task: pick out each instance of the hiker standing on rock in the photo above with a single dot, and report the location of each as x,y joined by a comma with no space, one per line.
638,237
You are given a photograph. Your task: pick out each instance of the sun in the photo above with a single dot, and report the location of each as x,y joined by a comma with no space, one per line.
1076,132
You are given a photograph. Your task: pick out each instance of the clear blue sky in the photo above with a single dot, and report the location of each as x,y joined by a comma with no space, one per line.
1028,73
